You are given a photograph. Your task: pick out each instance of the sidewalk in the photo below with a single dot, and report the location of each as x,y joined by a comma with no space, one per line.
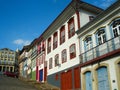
38,85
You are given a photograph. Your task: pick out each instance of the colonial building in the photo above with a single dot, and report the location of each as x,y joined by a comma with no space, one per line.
8,60
100,51
33,58
23,59
62,45
41,63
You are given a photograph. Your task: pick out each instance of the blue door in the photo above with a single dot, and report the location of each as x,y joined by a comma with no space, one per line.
103,83
88,79
41,75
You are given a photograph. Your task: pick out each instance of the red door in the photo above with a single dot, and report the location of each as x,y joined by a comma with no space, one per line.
37,73
45,74
77,78
66,80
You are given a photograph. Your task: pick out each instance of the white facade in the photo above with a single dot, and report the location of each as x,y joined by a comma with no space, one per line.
66,45
84,18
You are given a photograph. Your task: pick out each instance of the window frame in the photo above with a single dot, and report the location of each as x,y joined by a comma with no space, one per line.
71,32
101,36
55,40
64,59
72,54
56,58
62,37
49,45
91,18
88,44
50,63
115,26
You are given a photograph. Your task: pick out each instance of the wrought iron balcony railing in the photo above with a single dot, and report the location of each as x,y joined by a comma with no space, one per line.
107,47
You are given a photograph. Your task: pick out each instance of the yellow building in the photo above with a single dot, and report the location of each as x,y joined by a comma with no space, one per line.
7,60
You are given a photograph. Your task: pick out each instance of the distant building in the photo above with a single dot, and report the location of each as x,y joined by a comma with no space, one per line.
8,60
23,57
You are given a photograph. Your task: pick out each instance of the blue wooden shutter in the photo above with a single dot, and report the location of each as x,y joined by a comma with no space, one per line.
88,82
103,83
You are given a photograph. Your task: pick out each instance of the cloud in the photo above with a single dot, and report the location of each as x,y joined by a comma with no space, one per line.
21,42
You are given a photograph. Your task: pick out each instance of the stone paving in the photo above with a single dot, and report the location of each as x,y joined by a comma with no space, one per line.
9,83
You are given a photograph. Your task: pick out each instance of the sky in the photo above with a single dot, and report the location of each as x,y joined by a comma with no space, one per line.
21,21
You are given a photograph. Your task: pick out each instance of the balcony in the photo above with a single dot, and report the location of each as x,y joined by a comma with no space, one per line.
104,49
23,56
7,63
34,54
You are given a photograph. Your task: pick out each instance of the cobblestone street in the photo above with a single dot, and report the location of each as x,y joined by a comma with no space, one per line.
9,83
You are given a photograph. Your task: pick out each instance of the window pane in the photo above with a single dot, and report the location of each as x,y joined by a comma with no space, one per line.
116,28
50,63
71,28
56,60
88,43
101,36
72,51
64,56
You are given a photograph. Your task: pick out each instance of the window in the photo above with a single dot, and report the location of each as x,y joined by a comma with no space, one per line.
56,60
43,46
50,63
91,18
62,34
49,45
88,43
116,28
55,40
71,28
72,51
39,48
64,56
101,36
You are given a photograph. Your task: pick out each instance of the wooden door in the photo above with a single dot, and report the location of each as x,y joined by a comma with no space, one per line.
88,80
103,83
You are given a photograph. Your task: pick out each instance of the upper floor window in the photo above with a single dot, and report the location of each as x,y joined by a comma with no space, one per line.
64,56
101,36
49,45
50,63
39,48
91,18
57,60
71,28
88,43
72,51
62,34
55,40
43,46
116,28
